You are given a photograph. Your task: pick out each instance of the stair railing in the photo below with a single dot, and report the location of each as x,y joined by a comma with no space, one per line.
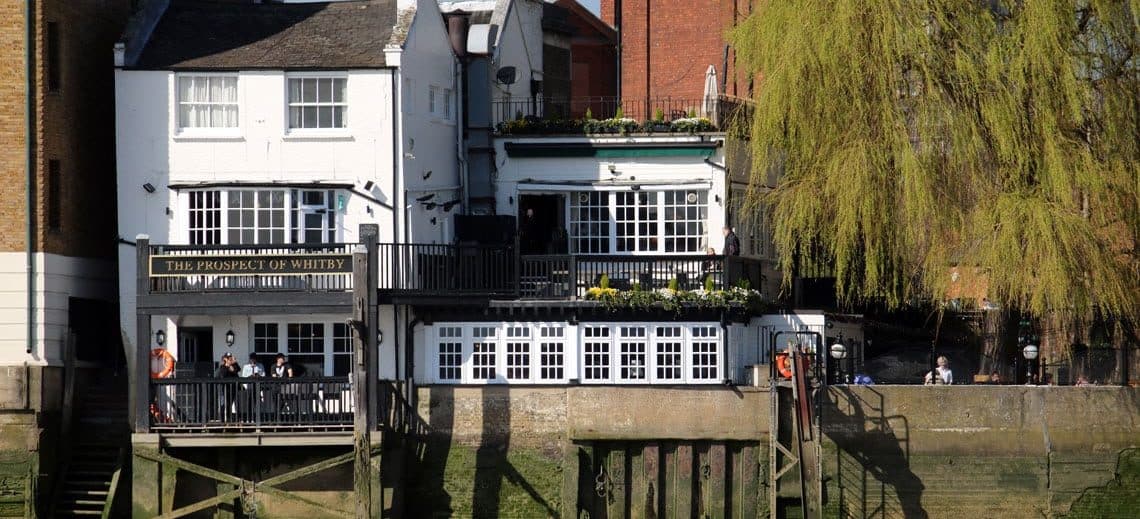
109,505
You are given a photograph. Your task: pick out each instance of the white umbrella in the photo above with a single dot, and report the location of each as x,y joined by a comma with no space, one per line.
711,92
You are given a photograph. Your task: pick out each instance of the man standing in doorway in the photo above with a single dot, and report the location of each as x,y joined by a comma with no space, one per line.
731,242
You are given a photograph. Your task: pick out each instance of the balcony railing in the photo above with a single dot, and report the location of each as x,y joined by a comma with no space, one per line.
415,270
169,281
719,109
243,404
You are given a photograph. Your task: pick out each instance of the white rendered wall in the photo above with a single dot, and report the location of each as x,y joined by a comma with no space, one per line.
651,172
519,45
57,279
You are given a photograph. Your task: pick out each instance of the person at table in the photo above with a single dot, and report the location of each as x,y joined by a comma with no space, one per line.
281,368
252,368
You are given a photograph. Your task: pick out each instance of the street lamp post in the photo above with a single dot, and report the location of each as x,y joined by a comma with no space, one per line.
1030,353
839,352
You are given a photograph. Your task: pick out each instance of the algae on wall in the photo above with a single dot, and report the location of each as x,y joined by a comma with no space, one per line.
1119,499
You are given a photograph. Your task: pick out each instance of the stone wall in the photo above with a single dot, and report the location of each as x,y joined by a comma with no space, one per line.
1009,451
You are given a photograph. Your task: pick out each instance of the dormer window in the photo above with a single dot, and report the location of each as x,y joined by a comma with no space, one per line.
318,102
207,101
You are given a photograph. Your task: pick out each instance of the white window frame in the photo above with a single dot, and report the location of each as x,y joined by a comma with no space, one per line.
609,220
289,105
293,214
182,130
574,353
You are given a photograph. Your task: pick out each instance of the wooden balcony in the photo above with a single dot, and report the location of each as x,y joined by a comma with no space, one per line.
314,278
261,405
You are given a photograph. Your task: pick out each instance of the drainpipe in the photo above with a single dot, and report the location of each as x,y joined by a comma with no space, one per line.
396,204
30,166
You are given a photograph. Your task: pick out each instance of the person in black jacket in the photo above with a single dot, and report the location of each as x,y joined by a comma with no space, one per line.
731,242
227,368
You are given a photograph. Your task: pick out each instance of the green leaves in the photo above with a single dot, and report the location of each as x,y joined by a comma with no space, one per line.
914,135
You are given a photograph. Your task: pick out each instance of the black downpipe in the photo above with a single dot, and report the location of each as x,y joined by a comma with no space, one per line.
395,220
617,25
30,166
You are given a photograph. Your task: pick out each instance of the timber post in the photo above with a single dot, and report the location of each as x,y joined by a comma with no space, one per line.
364,338
140,396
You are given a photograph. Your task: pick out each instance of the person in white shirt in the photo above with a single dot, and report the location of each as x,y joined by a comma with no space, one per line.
942,374
253,368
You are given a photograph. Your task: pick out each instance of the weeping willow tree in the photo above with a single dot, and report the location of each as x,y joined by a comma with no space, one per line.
912,135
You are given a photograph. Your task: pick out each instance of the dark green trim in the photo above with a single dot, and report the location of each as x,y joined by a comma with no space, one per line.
588,149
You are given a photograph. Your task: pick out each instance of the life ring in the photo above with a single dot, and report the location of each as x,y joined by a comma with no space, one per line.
784,365
161,363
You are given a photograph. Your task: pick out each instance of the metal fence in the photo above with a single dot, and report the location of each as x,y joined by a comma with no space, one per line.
310,403
435,270
717,109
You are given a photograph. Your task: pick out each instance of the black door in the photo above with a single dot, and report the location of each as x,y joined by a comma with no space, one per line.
542,229
195,349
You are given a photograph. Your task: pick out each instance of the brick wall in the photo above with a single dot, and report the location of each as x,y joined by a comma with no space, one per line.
74,125
667,45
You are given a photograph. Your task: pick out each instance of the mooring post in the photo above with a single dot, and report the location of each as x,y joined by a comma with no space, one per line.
140,394
365,332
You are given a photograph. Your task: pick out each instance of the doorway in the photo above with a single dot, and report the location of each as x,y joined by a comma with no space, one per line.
195,352
542,224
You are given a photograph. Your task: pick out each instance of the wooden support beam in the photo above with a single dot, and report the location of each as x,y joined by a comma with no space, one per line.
365,330
202,505
189,467
140,392
307,470
169,474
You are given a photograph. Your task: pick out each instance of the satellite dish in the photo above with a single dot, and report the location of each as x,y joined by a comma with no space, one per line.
506,75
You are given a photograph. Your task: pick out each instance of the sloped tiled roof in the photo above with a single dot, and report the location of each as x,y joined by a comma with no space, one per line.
203,35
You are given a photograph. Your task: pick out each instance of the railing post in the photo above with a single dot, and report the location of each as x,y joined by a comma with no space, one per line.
363,299
370,237
141,395
572,273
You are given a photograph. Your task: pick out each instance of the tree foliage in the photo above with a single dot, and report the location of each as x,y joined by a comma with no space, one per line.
911,135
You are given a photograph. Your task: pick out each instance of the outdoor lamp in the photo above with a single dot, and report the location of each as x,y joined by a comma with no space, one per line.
160,337
379,336
229,338
838,351
1029,352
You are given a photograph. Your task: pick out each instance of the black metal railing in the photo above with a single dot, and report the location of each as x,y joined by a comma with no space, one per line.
195,404
334,282
717,109
447,270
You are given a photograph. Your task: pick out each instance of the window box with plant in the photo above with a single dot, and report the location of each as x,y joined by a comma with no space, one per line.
674,299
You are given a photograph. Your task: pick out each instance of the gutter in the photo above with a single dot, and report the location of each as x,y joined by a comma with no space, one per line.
30,164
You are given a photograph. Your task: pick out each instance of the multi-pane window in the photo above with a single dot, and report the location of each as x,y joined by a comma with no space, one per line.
483,358
433,99
318,102
590,222
667,348
265,338
305,344
207,102
705,348
596,353
205,218
632,349
518,353
685,216
450,353
636,220
256,216
262,216
668,221
342,349
552,353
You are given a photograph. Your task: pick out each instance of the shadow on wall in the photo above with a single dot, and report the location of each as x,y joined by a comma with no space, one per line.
1119,499
872,472
454,479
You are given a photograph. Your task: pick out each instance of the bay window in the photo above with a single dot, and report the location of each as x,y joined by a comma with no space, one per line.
261,216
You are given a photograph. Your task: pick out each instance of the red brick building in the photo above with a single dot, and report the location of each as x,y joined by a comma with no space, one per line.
666,46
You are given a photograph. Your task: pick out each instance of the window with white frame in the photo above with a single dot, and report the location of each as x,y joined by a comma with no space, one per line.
705,363
205,218
261,216
484,361
318,102
552,353
663,222
602,353
667,352
207,102
590,222
312,348
449,354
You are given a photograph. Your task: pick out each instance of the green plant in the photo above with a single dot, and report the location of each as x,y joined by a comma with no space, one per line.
589,114
619,114
604,282
673,284
659,115
518,115
709,285
692,114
